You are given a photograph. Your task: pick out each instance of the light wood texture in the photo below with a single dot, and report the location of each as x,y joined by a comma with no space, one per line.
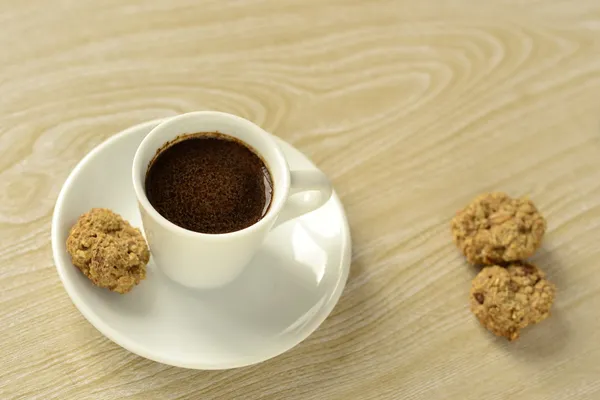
411,107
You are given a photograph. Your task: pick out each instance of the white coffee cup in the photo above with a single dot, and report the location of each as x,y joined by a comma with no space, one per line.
210,260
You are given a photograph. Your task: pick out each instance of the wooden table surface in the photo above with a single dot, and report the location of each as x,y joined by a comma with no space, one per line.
411,107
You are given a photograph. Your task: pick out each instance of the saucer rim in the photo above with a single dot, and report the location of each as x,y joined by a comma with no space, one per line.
118,338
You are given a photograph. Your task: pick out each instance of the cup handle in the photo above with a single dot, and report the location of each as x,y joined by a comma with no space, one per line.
299,203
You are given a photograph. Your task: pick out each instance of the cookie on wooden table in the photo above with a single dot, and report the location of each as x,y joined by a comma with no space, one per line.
497,229
506,300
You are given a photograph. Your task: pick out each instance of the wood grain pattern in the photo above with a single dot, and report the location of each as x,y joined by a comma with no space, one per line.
411,107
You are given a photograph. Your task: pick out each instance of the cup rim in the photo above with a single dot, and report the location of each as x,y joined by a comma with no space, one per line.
280,192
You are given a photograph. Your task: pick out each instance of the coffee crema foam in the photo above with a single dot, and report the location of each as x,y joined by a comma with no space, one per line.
209,183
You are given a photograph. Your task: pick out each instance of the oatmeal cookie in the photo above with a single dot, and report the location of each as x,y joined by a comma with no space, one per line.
108,250
497,229
506,300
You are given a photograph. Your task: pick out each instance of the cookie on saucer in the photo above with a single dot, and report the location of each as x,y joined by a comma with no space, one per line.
108,250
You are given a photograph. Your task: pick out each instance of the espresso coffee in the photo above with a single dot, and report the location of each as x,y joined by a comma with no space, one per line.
209,183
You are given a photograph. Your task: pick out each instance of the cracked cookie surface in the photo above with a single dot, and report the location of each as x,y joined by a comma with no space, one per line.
506,300
108,250
495,229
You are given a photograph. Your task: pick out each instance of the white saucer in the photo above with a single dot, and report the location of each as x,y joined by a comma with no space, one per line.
285,293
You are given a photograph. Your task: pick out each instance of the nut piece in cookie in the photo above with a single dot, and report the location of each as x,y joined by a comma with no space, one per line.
506,300
496,229
108,250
